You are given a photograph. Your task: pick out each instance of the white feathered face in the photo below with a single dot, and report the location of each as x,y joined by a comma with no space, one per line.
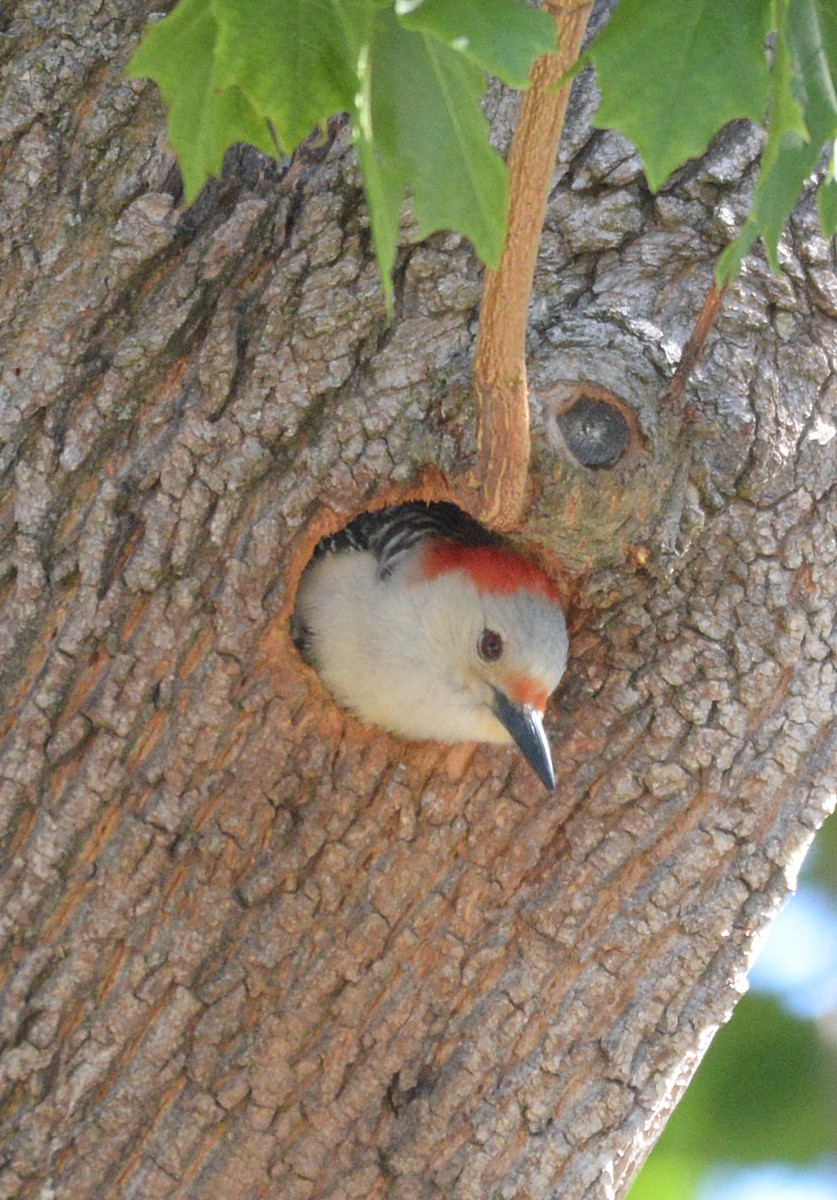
528,653
515,643
505,654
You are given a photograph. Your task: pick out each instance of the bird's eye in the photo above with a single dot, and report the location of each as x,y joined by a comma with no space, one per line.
490,646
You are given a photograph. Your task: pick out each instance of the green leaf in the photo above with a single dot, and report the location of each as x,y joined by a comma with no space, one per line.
787,114
828,25
205,118
672,72
296,60
384,185
272,71
827,194
501,37
420,126
803,39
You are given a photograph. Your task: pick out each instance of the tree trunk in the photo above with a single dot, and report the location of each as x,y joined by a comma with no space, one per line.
252,948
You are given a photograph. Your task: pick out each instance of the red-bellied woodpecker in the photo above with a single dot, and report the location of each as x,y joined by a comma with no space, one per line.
420,620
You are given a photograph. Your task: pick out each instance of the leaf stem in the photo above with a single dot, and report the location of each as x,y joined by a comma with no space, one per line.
503,443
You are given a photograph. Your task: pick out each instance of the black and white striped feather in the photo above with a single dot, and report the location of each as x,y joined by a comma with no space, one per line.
390,532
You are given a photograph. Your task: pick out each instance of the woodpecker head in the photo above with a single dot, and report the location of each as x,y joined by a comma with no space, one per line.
422,621
496,624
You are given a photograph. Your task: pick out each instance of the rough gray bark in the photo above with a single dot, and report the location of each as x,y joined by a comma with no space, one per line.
251,948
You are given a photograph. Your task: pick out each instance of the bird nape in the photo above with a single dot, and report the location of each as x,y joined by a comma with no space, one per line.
420,620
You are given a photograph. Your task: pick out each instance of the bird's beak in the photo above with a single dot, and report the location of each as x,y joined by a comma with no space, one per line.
525,724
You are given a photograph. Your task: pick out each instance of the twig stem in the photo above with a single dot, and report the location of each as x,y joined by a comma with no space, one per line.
500,359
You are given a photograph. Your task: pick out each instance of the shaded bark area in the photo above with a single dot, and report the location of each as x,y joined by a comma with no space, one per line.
250,947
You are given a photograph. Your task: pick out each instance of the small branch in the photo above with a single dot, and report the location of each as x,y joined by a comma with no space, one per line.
673,392
500,359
